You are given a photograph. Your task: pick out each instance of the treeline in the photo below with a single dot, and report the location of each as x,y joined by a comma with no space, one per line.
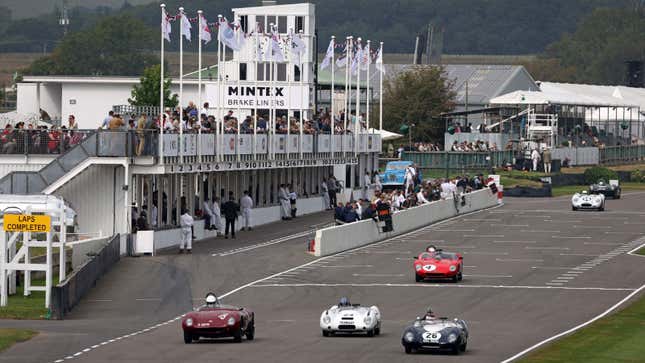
469,26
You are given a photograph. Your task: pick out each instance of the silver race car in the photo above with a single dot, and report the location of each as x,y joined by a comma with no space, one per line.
350,318
584,200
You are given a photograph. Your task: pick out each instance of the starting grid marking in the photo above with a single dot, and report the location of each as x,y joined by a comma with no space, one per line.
572,273
264,244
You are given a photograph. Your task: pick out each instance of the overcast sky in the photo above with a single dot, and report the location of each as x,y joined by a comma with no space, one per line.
29,8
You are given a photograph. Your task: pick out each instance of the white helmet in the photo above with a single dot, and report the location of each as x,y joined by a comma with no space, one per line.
211,299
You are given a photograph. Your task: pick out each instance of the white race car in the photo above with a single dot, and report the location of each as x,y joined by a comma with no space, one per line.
584,200
350,318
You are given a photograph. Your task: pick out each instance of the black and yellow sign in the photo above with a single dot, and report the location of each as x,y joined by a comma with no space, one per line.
27,223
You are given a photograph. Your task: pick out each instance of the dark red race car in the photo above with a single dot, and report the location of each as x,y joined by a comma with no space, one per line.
437,264
214,320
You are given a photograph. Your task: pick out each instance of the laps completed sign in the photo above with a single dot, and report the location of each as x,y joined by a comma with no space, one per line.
27,223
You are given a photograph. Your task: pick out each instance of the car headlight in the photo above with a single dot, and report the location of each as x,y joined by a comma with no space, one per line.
189,322
326,319
452,338
409,336
575,200
453,268
367,320
231,321
417,267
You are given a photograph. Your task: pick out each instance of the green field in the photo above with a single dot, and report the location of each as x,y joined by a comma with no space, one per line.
641,251
619,337
30,307
9,337
571,189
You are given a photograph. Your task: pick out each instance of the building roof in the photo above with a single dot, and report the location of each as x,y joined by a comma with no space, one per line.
576,94
484,81
284,9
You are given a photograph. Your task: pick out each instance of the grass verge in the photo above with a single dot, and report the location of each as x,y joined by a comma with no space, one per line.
571,189
615,338
641,252
30,307
9,337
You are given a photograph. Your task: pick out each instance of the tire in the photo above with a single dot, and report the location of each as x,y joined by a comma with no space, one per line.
617,195
237,336
463,347
574,208
455,278
188,338
250,331
418,278
377,331
325,333
456,349
461,276
601,208
408,350
370,333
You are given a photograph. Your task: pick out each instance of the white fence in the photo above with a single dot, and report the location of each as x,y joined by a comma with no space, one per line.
352,235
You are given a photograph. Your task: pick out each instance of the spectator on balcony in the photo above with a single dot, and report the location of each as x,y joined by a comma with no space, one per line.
116,123
71,123
8,140
53,140
106,121
262,125
205,109
247,126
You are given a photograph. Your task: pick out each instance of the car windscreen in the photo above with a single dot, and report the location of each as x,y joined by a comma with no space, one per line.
396,166
445,256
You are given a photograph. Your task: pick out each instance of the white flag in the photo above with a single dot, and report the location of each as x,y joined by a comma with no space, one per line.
240,37
357,58
366,58
342,60
329,57
185,26
379,61
226,35
166,29
205,32
298,47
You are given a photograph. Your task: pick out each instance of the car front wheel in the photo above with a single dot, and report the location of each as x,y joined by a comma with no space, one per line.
325,333
408,350
418,278
188,338
237,335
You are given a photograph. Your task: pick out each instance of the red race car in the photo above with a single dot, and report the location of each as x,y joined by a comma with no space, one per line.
437,264
214,320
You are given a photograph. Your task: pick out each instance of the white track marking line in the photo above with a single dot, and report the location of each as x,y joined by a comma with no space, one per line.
454,230
550,268
572,237
388,252
603,244
539,231
577,254
379,275
547,248
578,327
636,249
593,227
485,235
523,242
455,286
631,233
508,225
264,244
490,276
487,253
518,260
346,266
482,220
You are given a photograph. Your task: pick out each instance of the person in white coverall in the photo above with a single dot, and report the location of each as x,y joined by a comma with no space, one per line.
324,192
409,179
246,203
285,206
535,156
216,222
186,232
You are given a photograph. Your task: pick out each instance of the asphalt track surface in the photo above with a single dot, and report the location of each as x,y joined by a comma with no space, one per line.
533,268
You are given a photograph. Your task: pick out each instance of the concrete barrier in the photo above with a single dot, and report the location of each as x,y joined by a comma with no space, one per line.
352,235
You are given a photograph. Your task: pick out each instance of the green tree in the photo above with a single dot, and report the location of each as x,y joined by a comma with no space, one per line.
601,45
418,95
115,46
146,93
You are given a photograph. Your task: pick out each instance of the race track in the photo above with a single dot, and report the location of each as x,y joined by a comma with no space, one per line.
533,268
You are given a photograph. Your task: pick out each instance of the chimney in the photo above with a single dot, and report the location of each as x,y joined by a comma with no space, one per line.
269,2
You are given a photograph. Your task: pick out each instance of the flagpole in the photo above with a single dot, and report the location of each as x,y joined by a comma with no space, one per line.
348,86
239,111
199,85
181,86
272,114
358,94
161,122
331,95
218,120
288,75
380,102
302,80
255,104
367,85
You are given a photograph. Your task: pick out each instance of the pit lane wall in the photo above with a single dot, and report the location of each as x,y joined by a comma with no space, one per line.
348,236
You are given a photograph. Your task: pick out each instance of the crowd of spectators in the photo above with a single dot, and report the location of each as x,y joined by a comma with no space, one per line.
473,146
21,139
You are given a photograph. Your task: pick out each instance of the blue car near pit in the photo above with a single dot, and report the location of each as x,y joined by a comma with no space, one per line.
394,175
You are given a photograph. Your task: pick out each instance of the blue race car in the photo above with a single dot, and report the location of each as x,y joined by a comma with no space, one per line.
394,175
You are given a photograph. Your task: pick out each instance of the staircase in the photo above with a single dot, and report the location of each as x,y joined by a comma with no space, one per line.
73,161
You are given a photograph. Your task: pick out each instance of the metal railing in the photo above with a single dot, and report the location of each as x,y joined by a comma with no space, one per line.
629,154
458,160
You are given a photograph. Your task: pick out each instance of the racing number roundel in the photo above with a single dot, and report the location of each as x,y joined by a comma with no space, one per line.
429,267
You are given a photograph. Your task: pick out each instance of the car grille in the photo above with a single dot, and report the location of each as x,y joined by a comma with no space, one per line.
347,318
347,327
586,205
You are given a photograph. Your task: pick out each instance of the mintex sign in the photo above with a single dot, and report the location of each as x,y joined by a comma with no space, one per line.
292,97
26,223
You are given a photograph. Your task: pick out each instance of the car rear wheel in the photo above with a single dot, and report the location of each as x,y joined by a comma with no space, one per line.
601,208
408,350
377,331
188,338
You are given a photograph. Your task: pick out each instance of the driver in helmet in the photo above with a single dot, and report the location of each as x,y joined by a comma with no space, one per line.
431,249
429,314
211,300
344,302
